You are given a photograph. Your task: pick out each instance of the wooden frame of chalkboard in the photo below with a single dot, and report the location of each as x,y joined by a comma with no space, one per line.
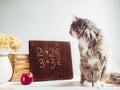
50,60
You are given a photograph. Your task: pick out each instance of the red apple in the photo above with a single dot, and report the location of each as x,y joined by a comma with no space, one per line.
26,78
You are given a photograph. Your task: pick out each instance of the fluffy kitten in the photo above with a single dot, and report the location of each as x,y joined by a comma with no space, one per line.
94,53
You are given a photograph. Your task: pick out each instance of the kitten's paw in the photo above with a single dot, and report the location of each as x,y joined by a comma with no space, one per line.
87,84
98,84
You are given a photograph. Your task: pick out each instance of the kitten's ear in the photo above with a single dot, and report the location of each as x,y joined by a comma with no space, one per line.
75,18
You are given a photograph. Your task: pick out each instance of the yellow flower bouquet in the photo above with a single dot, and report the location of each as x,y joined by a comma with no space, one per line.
9,42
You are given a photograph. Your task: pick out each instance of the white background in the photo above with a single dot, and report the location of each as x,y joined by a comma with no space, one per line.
51,19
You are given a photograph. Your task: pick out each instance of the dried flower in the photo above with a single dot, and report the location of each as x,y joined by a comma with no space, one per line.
9,42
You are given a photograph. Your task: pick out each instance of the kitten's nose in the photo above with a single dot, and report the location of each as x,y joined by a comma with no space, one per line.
70,32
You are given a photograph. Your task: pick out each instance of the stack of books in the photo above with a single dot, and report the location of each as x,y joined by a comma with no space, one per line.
20,64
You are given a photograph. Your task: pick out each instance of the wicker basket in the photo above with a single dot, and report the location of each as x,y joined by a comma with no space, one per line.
20,64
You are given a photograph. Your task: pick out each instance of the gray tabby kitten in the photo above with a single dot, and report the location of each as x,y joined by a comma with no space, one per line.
94,54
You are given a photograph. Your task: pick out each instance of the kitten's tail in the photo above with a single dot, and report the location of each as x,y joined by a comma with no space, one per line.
114,78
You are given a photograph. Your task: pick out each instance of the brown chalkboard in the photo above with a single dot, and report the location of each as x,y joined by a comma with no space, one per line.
50,60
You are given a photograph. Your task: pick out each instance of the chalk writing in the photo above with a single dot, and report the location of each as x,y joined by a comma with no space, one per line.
53,54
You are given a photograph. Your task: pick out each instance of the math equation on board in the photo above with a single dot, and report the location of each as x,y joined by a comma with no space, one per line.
50,60
53,56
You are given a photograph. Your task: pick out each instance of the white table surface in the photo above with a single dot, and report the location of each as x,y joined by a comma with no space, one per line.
73,84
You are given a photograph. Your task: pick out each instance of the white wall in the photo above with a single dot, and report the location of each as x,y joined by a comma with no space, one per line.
51,19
